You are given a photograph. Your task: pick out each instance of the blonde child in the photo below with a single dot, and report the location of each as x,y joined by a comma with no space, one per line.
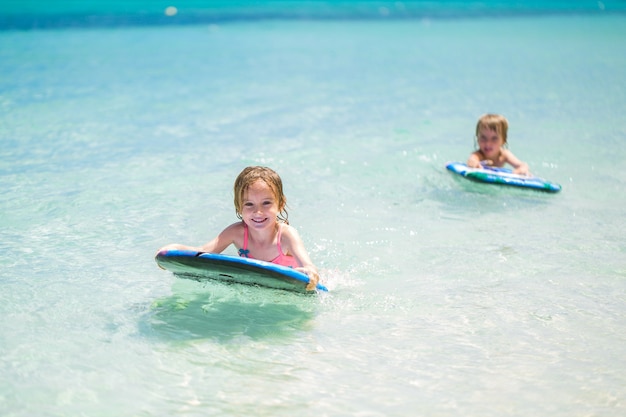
491,132
264,232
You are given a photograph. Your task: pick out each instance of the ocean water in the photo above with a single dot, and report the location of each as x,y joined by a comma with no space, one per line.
123,131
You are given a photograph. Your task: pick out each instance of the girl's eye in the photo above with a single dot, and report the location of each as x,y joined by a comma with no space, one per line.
267,203
247,204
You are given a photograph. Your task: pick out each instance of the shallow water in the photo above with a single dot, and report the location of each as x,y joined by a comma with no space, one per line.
447,297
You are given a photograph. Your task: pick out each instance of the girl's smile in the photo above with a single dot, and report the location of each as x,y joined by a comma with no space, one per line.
260,207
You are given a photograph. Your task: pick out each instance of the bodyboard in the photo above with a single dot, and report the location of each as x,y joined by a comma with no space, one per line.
502,176
227,268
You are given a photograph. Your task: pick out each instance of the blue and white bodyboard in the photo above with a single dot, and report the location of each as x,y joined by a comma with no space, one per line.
502,176
227,268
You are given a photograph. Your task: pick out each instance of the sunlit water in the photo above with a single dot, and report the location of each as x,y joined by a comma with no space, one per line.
448,298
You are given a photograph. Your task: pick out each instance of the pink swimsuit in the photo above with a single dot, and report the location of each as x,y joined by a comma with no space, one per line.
281,259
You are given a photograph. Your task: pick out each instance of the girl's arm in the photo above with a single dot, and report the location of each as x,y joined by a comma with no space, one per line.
519,167
293,245
474,160
217,245
223,240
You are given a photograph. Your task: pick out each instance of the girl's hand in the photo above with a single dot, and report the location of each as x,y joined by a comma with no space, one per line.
314,277
474,163
171,246
522,170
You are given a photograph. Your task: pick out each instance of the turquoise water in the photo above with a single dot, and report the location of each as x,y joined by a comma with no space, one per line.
448,298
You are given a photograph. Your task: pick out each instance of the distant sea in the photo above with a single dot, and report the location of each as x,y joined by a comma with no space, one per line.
33,14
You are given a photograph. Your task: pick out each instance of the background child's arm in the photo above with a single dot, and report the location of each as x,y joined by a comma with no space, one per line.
474,160
519,167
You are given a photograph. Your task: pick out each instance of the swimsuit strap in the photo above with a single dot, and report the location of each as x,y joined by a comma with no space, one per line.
245,251
280,250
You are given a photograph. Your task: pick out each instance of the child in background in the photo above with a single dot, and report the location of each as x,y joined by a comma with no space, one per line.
264,232
491,132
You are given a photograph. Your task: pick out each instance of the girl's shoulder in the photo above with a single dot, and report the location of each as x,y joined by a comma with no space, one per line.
287,232
234,234
234,228
506,155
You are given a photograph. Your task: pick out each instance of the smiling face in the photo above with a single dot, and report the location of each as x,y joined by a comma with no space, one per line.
269,180
490,143
260,206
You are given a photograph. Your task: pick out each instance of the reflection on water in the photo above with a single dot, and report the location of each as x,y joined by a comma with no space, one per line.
460,198
223,312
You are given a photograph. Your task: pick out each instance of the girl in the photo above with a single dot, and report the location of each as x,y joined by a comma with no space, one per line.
491,131
264,232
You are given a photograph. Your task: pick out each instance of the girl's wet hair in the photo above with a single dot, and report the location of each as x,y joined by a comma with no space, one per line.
249,176
494,122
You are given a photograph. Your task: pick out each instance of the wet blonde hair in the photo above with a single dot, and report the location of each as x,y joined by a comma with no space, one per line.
249,176
494,122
